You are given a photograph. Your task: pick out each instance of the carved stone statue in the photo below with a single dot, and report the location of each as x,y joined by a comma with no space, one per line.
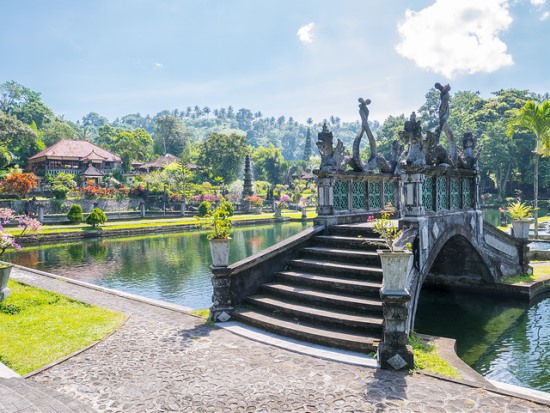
412,136
436,154
376,160
332,158
470,157
443,117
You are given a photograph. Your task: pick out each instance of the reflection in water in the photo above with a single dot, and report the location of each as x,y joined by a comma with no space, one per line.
168,267
504,340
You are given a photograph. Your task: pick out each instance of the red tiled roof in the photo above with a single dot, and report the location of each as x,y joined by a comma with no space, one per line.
77,149
92,171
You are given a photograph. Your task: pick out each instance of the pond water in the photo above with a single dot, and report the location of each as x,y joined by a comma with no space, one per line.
505,340
502,339
169,267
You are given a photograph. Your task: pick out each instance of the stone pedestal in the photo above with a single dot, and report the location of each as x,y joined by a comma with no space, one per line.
222,307
40,211
142,209
5,271
394,353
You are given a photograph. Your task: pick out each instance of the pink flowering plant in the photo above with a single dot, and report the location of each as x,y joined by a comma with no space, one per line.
25,224
389,233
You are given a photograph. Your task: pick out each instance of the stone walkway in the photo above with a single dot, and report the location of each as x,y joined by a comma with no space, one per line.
163,360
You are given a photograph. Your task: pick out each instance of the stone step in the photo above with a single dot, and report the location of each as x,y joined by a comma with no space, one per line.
364,230
317,316
353,242
319,297
354,255
329,337
19,394
331,283
335,268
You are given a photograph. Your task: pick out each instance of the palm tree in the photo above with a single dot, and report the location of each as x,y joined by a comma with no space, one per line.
535,119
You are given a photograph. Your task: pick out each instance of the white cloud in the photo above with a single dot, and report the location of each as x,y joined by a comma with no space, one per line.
544,16
158,66
538,2
305,33
451,37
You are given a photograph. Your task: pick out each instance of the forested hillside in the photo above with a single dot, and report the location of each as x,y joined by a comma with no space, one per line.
278,145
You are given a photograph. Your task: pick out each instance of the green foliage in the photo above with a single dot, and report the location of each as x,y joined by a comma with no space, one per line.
518,279
269,165
519,211
56,131
75,214
426,358
228,206
38,327
387,230
223,155
204,208
218,222
170,136
96,217
60,191
130,145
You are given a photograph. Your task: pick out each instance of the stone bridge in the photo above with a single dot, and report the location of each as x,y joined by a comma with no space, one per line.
434,194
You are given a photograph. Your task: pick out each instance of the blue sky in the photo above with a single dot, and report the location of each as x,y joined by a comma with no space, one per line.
286,57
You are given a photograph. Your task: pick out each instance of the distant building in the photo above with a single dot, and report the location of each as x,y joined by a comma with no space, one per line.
162,162
80,158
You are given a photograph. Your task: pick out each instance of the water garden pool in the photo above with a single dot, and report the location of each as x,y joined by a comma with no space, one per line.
170,267
502,339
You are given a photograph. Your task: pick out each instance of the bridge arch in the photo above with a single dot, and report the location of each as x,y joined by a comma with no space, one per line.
454,259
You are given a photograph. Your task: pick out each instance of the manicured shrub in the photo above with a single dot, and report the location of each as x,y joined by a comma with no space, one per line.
60,191
75,214
96,217
204,208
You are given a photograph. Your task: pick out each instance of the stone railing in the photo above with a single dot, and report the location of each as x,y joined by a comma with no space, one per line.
346,197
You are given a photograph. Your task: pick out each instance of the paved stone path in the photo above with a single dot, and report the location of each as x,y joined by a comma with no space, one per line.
166,361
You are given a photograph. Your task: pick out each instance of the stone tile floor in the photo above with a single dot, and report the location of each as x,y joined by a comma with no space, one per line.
163,360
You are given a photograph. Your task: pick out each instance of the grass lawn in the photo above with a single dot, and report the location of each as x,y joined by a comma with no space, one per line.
38,327
426,358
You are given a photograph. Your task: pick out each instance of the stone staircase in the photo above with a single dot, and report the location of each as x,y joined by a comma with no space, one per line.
23,395
329,295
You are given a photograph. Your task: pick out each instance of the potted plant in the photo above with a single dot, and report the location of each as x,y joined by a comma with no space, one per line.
26,224
396,257
219,223
520,213
254,204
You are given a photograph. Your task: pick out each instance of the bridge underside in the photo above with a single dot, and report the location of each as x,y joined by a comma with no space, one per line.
459,264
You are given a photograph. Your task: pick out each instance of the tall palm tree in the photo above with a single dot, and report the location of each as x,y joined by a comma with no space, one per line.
535,119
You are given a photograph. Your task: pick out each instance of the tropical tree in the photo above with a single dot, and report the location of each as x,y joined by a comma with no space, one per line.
536,120
170,136
223,155
269,165
136,144
18,183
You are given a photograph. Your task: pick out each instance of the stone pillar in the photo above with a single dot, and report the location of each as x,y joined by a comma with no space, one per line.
40,208
222,306
394,352
325,201
304,213
183,208
412,193
142,209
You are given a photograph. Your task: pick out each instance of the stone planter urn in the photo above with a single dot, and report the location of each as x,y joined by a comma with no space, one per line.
396,266
521,228
219,250
5,271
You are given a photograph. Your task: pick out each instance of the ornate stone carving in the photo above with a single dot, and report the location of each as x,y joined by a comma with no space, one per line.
376,160
470,155
332,158
412,136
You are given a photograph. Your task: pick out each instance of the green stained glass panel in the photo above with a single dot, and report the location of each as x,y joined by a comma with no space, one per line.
340,195
467,193
389,194
427,193
455,193
441,192
374,195
359,193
